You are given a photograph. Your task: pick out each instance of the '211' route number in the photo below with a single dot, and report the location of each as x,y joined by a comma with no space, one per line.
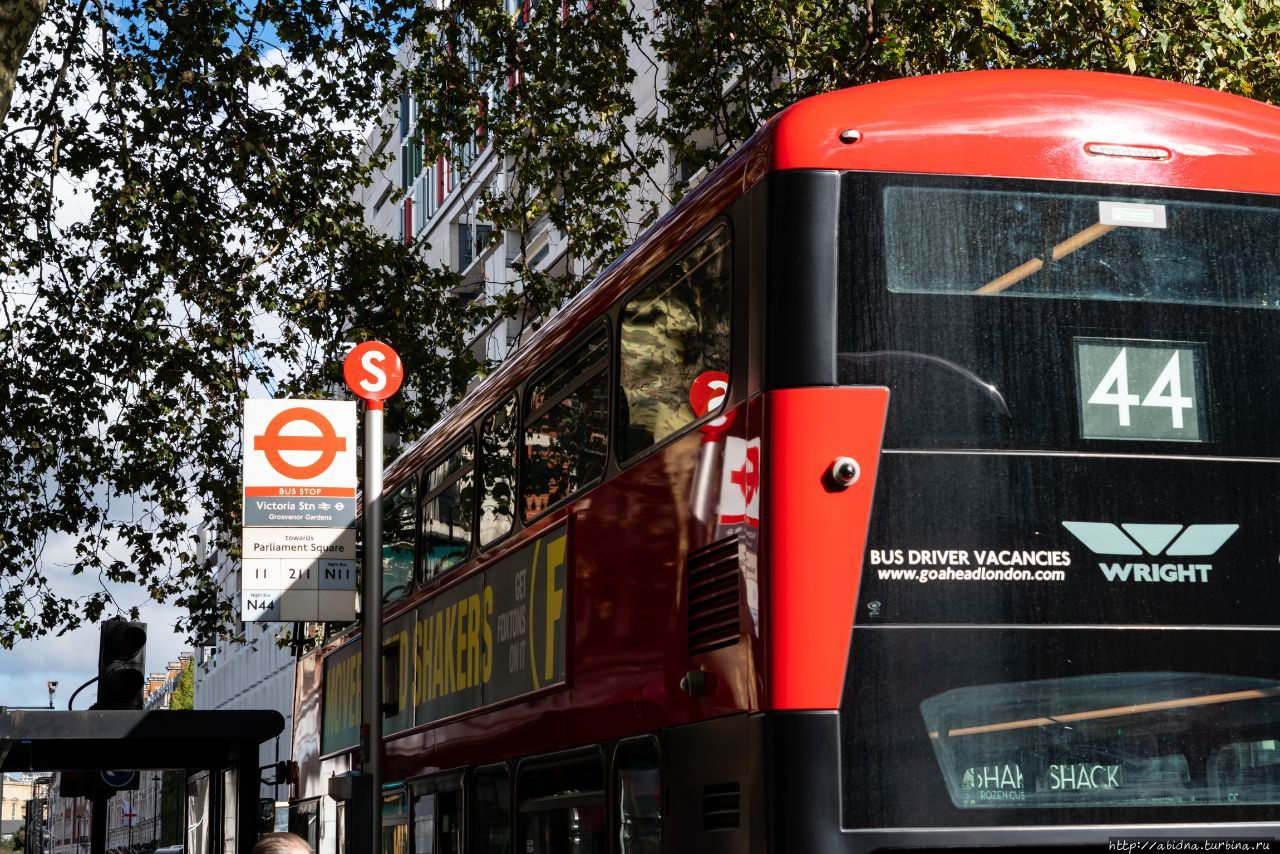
1166,392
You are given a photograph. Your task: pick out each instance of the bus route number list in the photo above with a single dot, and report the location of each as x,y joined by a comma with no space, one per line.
304,576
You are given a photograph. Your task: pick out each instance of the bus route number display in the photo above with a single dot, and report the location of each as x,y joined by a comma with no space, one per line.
1143,390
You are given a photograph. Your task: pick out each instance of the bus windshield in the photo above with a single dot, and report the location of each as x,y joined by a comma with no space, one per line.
1082,246
1055,316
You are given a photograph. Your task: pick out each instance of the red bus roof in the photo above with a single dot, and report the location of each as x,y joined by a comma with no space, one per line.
1036,124
1016,124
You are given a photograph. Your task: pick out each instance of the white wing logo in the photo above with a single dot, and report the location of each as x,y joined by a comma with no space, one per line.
1131,538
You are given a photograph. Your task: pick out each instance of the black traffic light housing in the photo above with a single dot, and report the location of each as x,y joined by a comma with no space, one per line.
122,650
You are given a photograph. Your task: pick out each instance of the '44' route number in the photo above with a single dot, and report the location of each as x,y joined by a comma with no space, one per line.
1165,393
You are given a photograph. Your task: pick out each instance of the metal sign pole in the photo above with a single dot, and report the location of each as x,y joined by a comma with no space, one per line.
371,617
98,824
374,373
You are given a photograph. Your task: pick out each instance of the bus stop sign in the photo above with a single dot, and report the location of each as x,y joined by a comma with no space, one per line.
373,371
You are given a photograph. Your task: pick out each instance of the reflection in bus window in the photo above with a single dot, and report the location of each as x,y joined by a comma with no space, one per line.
1112,739
424,824
437,815
498,473
395,822
567,427
562,809
230,800
304,820
638,787
491,811
674,330
449,821
397,542
447,513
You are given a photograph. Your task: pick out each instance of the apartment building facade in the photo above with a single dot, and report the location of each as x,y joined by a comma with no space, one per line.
437,203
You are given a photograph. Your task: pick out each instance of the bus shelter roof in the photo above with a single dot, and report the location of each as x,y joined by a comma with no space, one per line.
100,740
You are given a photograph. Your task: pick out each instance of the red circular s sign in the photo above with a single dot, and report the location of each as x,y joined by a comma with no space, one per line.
373,371
708,391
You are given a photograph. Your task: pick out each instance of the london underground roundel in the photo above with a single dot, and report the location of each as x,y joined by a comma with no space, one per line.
373,371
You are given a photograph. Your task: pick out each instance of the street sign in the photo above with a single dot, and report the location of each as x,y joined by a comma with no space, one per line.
299,550
373,371
310,543
300,450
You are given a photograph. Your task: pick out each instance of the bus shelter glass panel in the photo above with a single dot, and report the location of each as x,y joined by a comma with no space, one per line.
398,534
675,339
562,808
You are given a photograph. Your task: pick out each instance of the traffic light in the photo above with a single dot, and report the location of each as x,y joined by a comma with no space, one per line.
121,658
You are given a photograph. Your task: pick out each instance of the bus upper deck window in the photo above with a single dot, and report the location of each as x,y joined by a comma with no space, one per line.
673,331
447,512
1101,244
567,427
497,472
398,541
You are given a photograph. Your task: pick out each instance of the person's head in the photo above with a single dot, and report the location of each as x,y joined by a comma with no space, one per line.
282,843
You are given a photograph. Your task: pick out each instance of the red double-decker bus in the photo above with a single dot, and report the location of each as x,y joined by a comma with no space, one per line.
907,485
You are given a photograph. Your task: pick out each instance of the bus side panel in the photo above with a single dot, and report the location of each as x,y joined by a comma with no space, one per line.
627,640
817,532
714,777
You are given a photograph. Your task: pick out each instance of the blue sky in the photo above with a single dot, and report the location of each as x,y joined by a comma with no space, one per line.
72,659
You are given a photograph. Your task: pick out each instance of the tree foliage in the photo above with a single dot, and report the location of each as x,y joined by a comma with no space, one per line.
177,194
